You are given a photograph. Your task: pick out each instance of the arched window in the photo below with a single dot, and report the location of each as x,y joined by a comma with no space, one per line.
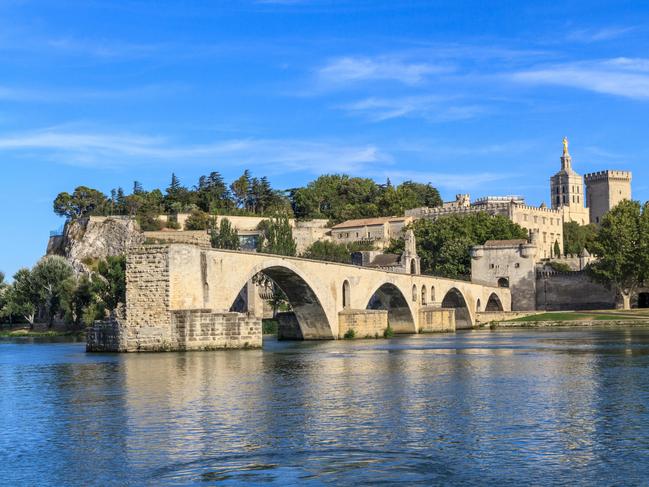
432,294
478,306
414,292
423,295
413,267
503,282
346,294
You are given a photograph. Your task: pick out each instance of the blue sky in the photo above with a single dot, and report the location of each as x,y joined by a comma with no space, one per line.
472,96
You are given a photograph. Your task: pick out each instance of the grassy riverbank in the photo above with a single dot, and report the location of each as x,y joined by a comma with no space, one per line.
639,317
7,332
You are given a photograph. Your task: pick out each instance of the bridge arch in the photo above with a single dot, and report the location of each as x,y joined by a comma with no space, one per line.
455,299
494,303
302,294
389,297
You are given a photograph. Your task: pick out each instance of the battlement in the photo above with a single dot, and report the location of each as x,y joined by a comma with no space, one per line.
491,207
607,175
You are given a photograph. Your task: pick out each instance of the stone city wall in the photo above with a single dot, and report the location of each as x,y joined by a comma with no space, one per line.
366,323
559,291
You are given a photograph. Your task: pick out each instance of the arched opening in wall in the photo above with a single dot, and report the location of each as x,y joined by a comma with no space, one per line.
413,267
432,294
414,293
423,295
643,300
296,307
503,282
390,298
454,299
494,303
346,294
478,306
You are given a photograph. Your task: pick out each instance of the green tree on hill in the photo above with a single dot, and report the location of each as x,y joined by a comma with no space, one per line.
82,202
622,247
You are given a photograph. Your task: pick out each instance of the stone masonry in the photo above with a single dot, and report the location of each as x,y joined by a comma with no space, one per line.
181,297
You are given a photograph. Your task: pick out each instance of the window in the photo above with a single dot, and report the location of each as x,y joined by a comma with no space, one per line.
423,295
414,293
517,265
346,294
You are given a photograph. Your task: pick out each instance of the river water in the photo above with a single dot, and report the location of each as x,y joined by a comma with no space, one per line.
516,407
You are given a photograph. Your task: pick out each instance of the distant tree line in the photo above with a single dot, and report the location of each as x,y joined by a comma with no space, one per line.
333,197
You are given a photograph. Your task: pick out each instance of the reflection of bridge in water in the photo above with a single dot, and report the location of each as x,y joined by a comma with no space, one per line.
181,296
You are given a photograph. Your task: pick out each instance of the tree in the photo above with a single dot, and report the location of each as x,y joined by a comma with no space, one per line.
137,187
197,220
178,197
80,297
225,237
212,193
277,237
578,237
557,249
49,277
240,189
109,283
82,202
334,252
622,247
18,300
328,251
444,244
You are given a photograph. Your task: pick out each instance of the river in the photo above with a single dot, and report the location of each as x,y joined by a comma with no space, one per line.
513,407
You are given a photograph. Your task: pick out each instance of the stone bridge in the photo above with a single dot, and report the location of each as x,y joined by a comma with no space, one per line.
183,296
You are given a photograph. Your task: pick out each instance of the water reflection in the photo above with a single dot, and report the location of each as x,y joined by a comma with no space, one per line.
560,406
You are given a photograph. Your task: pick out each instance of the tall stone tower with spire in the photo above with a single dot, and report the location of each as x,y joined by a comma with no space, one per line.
567,191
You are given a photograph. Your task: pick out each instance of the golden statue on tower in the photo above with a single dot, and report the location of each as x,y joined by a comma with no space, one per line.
565,145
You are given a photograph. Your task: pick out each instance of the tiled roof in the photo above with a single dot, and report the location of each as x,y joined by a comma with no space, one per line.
369,221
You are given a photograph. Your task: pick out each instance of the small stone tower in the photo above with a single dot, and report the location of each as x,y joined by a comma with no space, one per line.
409,258
604,190
567,191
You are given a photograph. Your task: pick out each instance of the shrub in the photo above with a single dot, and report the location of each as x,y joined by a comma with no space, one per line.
389,332
269,327
197,220
349,334
149,222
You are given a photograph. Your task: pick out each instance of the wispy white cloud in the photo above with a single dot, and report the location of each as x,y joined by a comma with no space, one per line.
627,77
347,70
597,35
104,149
57,94
430,107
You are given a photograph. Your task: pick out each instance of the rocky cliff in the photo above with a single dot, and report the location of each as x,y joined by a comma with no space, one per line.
88,240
